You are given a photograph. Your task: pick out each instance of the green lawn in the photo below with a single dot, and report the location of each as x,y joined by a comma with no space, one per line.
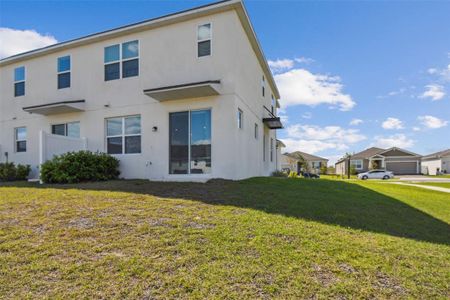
258,238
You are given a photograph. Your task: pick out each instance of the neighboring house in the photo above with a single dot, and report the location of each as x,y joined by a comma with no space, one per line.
436,163
394,159
187,96
295,162
280,145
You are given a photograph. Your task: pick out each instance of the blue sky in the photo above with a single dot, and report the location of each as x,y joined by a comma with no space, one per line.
385,65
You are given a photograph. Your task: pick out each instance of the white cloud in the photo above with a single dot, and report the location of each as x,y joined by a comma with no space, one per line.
304,60
14,41
442,74
313,139
280,65
307,115
392,123
299,86
356,122
415,128
329,133
432,122
434,91
396,140
310,146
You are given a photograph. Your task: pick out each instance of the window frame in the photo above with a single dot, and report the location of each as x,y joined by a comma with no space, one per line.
66,129
20,81
240,119
64,72
189,111
357,162
271,149
204,40
123,136
121,60
16,140
263,86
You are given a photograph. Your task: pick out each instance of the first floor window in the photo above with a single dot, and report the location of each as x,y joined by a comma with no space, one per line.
20,135
316,164
67,129
123,135
357,164
271,149
264,147
190,142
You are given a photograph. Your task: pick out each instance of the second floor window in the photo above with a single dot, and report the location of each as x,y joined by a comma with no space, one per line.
20,136
121,59
240,119
123,135
63,72
273,103
263,86
19,81
204,40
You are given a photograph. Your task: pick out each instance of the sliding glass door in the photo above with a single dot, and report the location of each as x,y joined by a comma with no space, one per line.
190,142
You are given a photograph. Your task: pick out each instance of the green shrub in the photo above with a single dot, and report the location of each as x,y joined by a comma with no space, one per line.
11,172
293,174
279,174
74,167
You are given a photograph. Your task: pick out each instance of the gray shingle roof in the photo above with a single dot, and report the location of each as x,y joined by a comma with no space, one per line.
437,154
306,156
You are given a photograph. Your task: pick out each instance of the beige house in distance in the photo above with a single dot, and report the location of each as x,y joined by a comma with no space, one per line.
295,162
184,97
399,161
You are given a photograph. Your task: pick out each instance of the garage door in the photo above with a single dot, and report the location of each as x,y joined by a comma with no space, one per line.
402,167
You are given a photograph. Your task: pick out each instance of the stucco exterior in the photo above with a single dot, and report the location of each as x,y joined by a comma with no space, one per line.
436,163
168,56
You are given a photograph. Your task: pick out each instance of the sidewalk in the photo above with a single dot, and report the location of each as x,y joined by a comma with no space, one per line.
435,188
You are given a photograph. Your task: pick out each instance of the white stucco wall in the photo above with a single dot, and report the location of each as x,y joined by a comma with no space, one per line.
443,164
168,56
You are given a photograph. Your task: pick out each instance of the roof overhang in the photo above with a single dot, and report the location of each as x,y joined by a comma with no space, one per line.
57,107
184,91
280,144
273,123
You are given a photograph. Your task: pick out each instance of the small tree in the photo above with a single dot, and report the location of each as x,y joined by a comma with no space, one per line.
323,169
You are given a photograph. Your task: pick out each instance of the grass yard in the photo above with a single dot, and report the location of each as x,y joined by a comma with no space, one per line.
258,238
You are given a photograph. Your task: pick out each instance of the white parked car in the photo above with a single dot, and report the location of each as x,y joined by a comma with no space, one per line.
376,174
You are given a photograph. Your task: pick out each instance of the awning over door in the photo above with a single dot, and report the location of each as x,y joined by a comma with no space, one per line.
57,107
184,91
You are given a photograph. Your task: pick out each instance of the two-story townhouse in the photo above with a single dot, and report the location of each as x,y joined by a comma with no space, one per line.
187,96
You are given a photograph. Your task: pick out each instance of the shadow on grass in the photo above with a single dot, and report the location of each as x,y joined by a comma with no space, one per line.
325,201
